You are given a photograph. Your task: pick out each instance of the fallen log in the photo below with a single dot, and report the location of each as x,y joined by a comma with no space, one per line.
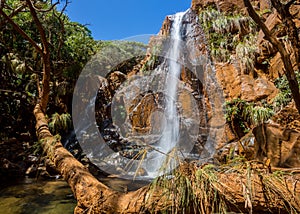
192,189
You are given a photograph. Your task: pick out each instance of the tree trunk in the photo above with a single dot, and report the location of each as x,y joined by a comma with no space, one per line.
290,26
94,197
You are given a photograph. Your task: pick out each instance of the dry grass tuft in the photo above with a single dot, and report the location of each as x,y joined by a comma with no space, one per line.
239,186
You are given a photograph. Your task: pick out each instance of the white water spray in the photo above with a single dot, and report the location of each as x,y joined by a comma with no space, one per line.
165,159
170,134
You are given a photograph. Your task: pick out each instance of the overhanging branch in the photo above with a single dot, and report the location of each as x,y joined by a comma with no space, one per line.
38,25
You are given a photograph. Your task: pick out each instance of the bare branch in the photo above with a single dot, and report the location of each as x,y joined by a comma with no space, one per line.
64,8
262,25
289,25
38,25
44,96
61,40
47,10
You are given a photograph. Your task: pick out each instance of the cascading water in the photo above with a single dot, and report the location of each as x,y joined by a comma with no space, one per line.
165,157
164,119
171,131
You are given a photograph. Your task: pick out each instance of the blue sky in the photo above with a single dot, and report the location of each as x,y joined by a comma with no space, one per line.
118,19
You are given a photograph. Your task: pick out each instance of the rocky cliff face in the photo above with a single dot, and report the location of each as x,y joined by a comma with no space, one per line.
223,5
206,81
277,140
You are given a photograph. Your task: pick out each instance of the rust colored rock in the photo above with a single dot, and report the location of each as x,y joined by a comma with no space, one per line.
279,140
257,89
229,78
224,5
264,5
115,79
276,67
166,26
295,11
140,116
237,85
186,104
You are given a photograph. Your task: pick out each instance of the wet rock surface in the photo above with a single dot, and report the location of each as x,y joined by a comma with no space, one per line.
129,112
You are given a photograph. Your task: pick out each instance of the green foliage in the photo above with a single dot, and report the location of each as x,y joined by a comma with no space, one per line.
246,52
257,114
71,46
224,32
234,108
188,190
153,60
37,148
60,123
284,97
247,113
78,48
110,52
250,114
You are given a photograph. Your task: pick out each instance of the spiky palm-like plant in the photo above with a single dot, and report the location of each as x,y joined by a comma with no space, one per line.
225,32
60,123
246,52
257,114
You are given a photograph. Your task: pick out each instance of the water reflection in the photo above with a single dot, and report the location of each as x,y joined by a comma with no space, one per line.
30,196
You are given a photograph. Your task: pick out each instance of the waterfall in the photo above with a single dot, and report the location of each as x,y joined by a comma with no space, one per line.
171,132
164,159
176,124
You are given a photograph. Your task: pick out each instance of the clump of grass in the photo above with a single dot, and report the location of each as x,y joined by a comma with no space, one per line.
230,34
275,188
246,52
60,123
284,97
257,114
187,190
248,114
281,100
